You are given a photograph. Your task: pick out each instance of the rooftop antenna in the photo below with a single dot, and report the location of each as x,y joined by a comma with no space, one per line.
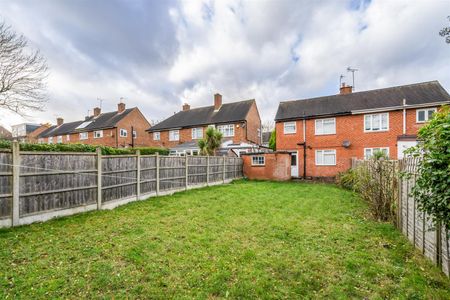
121,99
100,100
353,70
340,80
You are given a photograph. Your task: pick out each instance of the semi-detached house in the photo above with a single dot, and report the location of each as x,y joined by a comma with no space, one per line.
123,128
239,123
323,134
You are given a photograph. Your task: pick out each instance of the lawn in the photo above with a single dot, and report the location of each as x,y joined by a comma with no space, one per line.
242,240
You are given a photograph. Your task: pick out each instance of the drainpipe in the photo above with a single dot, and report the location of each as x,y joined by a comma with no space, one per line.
304,148
404,116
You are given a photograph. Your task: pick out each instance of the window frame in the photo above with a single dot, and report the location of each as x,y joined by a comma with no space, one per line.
426,110
226,127
123,132
380,122
96,132
290,122
156,133
59,139
50,140
196,130
82,138
170,135
260,161
322,151
372,151
322,121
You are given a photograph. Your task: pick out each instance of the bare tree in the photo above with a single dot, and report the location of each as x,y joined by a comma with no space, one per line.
445,32
267,126
23,73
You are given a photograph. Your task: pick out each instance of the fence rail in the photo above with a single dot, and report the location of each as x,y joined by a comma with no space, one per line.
37,186
432,241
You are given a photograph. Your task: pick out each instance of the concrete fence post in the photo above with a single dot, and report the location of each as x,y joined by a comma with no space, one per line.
138,174
224,167
15,184
207,170
157,173
186,172
99,178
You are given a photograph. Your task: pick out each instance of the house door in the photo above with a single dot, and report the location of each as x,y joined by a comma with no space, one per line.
402,146
294,164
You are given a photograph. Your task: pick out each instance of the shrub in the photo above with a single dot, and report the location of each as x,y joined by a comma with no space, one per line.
83,148
348,180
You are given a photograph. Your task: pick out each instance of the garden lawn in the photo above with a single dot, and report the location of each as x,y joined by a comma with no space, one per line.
241,240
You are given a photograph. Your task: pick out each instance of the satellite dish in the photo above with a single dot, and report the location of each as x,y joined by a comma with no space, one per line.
346,144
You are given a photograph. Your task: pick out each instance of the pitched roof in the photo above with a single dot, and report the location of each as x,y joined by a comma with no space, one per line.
103,121
228,112
266,137
415,94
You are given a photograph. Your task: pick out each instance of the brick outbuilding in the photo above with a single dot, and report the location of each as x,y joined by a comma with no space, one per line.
267,166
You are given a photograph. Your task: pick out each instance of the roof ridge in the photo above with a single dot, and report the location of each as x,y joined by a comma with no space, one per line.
371,90
203,107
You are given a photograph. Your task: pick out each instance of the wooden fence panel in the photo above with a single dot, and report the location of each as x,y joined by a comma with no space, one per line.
148,174
215,169
5,185
119,177
172,173
197,170
50,181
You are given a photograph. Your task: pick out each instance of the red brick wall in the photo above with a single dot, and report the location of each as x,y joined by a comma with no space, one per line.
277,167
349,128
253,124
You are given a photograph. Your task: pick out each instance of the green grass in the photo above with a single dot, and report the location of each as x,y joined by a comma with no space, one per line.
243,240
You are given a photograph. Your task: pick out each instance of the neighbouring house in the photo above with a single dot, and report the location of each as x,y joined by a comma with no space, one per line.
239,123
123,128
323,134
20,132
5,134
266,138
33,136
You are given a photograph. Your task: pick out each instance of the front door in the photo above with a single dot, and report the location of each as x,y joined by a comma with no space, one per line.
402,146
294,164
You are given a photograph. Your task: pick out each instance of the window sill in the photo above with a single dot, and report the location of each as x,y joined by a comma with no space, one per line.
375,131
320,134
257,166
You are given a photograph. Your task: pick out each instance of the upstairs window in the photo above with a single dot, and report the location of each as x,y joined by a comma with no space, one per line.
258,160
368,152
197,133
59,139
423,115
50,140
156,136
226,130
123,132
174,135
290,127
83,135
98,134
325,157
376,122
326,126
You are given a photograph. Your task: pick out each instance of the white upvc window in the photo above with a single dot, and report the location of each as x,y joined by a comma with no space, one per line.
258,160
226,130
98,134
212,126
197,133
259,132
156,136
368,152
68,137
123,132
50,140
326,126
174,135
84,135
423,115
134,134
290,127
59,139
325,157
376,122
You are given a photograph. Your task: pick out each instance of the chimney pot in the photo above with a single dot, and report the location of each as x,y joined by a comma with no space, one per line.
120,107
345,89
59,121
97,111
217,101
186,107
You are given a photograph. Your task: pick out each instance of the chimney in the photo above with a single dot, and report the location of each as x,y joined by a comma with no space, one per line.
217,101
186,107
97,111
345,89
120,107
59,121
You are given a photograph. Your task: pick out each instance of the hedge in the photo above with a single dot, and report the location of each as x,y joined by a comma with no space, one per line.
4,144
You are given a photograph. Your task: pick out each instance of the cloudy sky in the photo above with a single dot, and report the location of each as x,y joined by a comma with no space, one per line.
159,54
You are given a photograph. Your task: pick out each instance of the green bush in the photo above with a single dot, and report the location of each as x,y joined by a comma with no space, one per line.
83,148
348,180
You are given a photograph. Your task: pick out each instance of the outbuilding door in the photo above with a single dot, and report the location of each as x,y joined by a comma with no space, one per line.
294,164
402,146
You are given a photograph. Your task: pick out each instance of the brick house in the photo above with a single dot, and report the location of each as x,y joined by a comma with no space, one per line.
121,129
324,133
239,122
21,132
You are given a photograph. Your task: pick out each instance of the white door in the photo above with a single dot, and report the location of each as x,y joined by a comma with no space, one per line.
402,146
294,164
